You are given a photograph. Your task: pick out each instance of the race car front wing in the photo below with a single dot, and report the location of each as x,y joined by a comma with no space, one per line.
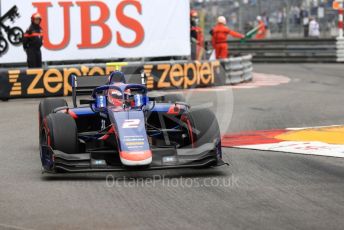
105,161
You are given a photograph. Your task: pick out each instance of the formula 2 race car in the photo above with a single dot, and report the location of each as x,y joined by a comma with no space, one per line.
121,128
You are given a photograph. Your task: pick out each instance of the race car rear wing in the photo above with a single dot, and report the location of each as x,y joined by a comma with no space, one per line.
85,85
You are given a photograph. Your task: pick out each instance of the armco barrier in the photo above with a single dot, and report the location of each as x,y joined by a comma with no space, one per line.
340,49
290,50
56,80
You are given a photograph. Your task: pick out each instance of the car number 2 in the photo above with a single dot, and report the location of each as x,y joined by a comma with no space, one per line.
131,124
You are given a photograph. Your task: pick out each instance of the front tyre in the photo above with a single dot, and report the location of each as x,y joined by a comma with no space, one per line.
59,131
206,130
205,126
47,106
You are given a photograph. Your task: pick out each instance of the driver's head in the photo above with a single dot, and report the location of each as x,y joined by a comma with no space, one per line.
115,97
127,93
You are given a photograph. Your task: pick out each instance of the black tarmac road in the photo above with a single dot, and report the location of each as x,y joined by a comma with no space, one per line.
260,190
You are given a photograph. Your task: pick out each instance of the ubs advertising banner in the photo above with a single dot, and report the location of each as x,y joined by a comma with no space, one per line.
98,29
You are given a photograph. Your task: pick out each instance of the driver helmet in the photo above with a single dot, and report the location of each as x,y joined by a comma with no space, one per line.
115,97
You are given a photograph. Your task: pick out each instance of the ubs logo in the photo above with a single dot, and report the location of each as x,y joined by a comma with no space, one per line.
14,34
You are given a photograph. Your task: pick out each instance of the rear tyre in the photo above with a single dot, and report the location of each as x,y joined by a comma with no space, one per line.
172,98
47,106
59,131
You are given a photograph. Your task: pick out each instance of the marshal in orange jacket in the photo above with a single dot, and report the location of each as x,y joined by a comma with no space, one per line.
220,35
262,30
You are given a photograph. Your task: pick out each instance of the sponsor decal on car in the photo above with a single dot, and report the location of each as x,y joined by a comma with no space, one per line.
131,124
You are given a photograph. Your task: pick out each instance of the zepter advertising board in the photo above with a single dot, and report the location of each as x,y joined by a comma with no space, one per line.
98,29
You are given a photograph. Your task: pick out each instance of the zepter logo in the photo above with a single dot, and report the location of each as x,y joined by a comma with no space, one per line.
182,76
52,81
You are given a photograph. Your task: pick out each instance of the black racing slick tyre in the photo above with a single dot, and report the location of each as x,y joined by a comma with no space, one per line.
60,132
172,98
47,106
205,126
206,130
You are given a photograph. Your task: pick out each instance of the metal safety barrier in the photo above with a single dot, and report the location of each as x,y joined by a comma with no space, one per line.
290,50
340,49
